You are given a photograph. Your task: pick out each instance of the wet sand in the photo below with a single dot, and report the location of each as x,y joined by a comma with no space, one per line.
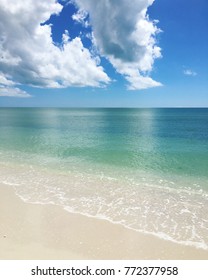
34,231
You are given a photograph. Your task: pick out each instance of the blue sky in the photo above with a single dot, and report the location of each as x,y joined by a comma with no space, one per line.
89,53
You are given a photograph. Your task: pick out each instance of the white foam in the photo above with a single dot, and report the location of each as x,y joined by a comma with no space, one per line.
167,212
10,183
161,235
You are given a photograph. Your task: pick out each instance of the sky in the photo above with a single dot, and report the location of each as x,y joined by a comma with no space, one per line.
106,53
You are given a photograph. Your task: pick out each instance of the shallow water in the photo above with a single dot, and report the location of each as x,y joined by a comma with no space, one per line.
144,168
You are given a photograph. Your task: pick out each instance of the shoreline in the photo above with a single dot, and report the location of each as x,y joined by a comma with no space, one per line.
35,231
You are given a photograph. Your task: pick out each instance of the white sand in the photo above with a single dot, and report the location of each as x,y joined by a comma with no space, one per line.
31,231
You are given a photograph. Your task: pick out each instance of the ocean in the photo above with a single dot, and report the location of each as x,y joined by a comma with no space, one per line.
146,169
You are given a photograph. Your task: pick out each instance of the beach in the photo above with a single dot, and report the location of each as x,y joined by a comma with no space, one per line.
104,183
34,231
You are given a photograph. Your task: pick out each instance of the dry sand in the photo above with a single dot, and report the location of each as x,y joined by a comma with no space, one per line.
32,231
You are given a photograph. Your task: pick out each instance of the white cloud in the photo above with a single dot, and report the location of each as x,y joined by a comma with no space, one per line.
29,56
136,81
13,92
80,17
124,34
5,81
7,88
189,72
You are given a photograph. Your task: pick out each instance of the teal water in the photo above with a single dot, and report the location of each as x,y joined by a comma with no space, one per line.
144,168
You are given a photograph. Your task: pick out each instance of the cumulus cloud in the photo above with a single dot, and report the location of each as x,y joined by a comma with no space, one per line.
189,72
29,56
7,88
80,17
13,92
4,81
124,34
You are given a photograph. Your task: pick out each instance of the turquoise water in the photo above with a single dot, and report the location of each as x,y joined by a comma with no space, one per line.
146,169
